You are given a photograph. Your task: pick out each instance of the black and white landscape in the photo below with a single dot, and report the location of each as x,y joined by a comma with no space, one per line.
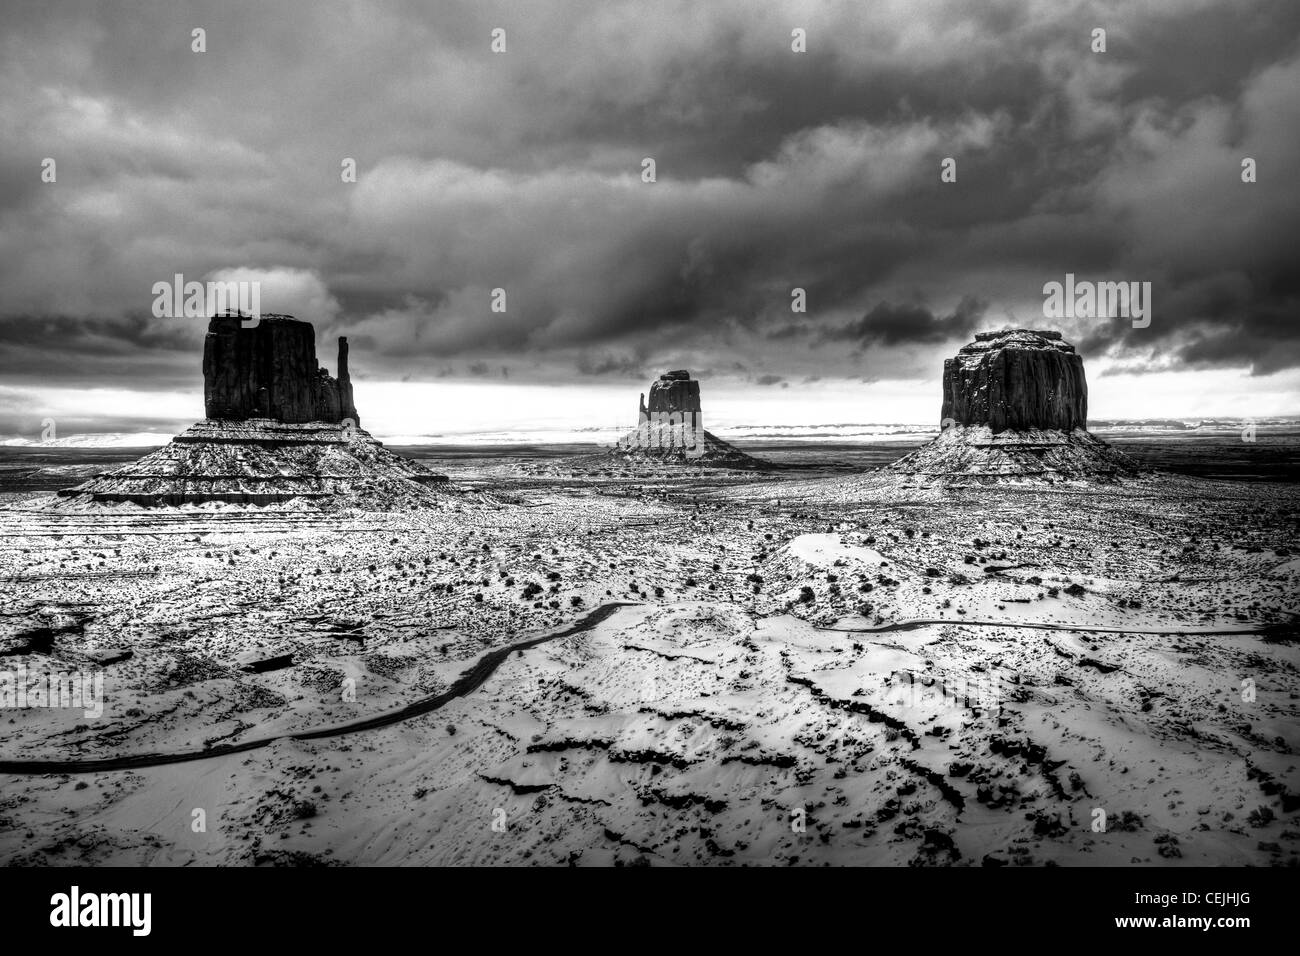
650,433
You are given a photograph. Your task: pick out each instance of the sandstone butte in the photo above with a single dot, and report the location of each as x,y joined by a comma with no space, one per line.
270,371
670,430
279,428
1015,408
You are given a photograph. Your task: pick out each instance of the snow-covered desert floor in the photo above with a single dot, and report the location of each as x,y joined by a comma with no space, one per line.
662,669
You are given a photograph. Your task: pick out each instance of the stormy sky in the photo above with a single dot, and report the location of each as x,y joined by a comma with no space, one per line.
523,170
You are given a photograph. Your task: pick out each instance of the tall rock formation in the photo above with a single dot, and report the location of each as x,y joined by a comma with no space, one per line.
670,430
270,371
1015,408
673,392
279,428
1016,379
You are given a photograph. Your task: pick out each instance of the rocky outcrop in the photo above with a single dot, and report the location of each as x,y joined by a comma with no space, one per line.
670,430
1015,409
1016,379
279,429
975,454
262,462
673,392
270,371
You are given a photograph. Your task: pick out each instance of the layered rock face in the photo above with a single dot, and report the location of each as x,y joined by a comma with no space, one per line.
1016,379
1015,408
263,462
270,371
974,454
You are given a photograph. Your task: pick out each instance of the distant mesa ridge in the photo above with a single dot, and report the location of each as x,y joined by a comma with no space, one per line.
279,428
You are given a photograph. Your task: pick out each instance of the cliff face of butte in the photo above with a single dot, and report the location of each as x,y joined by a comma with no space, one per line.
270,371
673,392
1016,379
1015,407
670,430
279,428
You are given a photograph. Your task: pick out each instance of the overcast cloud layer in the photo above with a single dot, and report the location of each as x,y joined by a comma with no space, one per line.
522,171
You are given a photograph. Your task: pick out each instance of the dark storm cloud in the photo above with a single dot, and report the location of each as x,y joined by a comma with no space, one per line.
130,350
888,324
521,172
626,366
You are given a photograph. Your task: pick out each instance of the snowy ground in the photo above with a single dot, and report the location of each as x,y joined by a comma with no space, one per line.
802,671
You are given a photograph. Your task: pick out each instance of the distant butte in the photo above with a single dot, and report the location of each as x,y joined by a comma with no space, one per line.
670,430
674,392
1015,408
279,428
